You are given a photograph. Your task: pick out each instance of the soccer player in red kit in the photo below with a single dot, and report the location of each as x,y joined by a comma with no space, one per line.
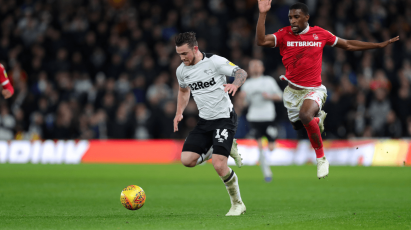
8,89
301,47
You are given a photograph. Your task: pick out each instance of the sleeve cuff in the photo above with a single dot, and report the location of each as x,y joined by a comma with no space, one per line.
336,40
5,82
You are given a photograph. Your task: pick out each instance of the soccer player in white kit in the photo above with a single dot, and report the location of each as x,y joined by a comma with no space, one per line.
260,92
205,76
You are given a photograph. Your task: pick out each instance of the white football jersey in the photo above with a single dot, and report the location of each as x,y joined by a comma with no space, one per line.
206,79
260,109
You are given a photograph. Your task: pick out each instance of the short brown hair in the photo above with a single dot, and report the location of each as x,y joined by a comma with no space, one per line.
188,38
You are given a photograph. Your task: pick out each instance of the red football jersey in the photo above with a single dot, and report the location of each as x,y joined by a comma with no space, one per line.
302,54
4,80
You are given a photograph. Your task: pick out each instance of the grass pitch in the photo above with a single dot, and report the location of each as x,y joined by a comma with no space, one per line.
87,196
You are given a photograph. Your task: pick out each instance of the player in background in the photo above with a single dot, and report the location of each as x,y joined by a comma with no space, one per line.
301,47
8,89
205,76
260,92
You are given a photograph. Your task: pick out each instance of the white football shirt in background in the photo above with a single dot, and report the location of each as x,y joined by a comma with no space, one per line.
260,109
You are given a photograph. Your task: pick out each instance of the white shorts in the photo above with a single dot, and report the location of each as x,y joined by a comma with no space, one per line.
293,99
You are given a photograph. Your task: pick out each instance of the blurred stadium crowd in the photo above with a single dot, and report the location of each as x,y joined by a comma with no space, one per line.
106,69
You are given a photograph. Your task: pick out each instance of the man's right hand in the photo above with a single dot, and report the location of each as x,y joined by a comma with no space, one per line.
264,5
177,119
6,93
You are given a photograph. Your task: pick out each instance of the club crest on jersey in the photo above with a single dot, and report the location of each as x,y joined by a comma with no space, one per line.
315,36
201,85
209,71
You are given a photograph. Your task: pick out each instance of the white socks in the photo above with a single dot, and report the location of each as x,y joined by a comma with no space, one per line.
265,168
205,157
262,161
231,183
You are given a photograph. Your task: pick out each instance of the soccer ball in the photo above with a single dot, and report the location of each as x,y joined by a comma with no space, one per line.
133,197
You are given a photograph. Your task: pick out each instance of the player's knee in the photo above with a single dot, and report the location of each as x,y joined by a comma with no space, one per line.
305,117
188,163
271,146
271,149
187,160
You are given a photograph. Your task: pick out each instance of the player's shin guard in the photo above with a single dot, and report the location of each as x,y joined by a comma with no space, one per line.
314,134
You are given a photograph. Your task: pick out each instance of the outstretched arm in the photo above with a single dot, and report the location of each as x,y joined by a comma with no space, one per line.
354,45
261,38
240,77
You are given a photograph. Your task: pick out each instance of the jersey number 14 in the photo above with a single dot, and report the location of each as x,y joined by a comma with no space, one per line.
224,133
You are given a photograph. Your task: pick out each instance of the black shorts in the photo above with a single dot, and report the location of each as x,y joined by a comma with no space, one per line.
218,133
265,128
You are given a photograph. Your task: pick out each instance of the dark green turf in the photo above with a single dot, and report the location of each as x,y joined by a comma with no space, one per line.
88,197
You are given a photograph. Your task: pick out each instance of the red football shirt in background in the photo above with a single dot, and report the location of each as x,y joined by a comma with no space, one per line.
302,54
4,80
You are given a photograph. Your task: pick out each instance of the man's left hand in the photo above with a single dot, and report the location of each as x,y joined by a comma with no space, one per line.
392,40
230,88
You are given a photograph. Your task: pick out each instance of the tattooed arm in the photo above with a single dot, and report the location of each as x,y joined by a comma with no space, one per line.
227,68
240,76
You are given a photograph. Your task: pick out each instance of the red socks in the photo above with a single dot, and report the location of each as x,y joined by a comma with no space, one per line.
314,134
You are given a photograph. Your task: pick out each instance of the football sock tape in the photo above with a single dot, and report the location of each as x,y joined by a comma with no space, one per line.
230,175
200,159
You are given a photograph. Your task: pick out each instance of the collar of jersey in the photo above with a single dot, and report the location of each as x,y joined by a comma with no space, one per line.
305,30
192,66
